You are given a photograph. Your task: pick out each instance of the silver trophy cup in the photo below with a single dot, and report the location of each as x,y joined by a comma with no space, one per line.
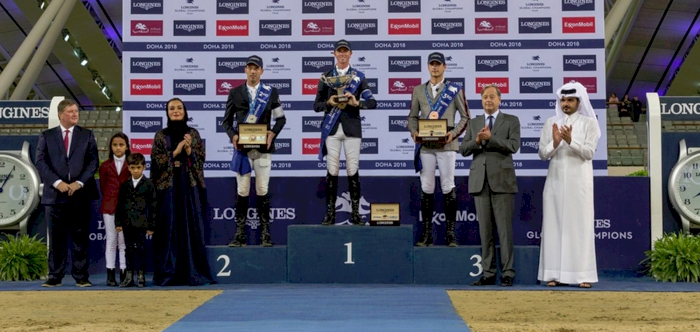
339,83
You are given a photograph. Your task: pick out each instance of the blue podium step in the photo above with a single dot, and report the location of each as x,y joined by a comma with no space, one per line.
248,265
350,254
462,265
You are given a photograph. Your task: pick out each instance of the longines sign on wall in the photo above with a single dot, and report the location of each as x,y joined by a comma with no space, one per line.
28,111
197,51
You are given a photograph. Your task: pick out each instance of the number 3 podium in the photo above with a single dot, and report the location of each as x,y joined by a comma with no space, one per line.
359,255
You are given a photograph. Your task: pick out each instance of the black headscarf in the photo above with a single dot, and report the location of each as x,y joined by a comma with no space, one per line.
176,130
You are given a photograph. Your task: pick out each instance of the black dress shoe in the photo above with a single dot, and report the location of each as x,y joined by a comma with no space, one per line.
507,281
484,281
83,283
51,283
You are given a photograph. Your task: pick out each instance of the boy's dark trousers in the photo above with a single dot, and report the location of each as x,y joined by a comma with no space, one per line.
135,255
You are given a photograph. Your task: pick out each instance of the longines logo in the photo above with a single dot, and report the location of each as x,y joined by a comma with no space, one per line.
404,6
220,124
448,26
276,7
230,65
535,25
190,8
146,124
283,86
398,123
360,7
367,125
577,5
275,65
275,27
252,217
316,64
580,62
535,63
491,63
189,66
232,6
190,28
405,145
369,146
491,6
283,146
535,124
361,27
318,7
448,6
189,87
146,65
536,85
153,7
529,145
311,124
680,108
404,64
373,85
458,81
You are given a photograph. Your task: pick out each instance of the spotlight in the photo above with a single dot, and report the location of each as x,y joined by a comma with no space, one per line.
83,61
42,5
118,109
66,34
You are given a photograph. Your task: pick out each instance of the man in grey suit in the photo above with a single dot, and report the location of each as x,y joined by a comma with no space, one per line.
493,138
437,99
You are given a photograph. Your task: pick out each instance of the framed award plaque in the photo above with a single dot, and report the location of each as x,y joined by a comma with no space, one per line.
432,130
252,136
384,214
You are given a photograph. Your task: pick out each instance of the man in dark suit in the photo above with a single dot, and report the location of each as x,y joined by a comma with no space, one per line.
253,102
136,217
66,158
493,138
342,127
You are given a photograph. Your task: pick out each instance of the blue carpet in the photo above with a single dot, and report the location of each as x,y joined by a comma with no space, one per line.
311,308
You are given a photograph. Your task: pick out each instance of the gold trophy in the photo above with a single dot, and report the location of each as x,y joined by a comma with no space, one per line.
339,83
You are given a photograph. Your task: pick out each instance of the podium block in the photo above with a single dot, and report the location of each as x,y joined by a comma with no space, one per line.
462,265
350,254
248,265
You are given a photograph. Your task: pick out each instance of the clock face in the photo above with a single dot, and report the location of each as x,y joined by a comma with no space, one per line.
18,186
685,188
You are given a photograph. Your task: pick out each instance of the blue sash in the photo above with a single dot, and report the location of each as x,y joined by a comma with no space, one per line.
447,95
240,163
332,117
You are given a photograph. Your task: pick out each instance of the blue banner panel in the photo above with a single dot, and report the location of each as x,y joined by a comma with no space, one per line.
24,112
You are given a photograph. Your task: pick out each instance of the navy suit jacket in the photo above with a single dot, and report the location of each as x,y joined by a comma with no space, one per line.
53,164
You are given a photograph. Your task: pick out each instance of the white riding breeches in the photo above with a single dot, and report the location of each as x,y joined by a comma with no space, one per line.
445,161
113,239
262,163
352,146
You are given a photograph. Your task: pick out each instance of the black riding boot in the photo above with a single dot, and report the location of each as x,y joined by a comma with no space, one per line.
240,240
451,217
141,278
331,196
128,280
355,195
427,205
264,214
111,278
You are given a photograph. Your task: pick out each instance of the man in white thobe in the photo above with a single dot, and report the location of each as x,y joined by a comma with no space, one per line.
568,141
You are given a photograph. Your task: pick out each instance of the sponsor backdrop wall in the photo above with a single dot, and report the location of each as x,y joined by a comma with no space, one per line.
196,50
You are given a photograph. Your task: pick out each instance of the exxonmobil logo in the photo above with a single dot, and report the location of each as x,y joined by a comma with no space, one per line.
404,26
578,24
141,145
232,27
309,86
500,82
146,87
310,145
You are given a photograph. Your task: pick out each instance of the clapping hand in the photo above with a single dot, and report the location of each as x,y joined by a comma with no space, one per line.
556,135
566,133
483,135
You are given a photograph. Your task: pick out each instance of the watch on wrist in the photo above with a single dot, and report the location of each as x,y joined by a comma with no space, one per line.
684,187
20,189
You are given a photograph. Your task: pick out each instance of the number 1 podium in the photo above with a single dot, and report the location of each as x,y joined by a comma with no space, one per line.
350,254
